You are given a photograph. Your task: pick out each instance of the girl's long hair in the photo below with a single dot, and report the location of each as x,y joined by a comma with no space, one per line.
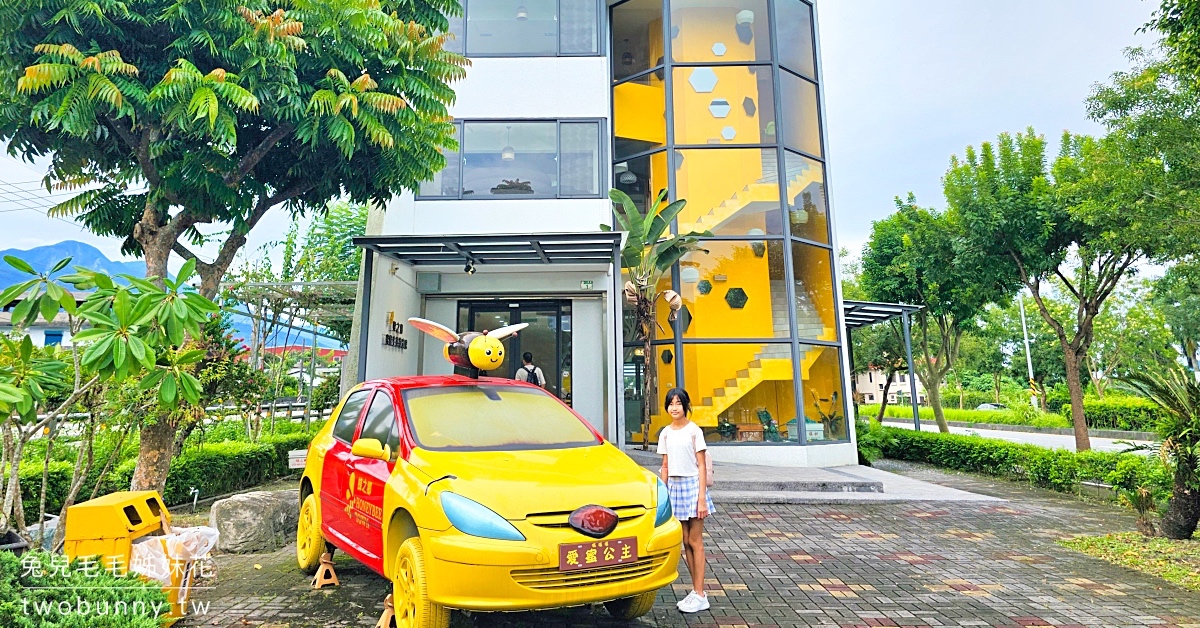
684,399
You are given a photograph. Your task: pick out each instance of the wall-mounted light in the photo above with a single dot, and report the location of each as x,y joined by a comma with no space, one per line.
745,26
522,13
508,153
469,268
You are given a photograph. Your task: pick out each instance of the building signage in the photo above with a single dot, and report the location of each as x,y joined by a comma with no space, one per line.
585,285
393,336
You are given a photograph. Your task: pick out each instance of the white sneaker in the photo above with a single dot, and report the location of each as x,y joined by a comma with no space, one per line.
694,603
690,595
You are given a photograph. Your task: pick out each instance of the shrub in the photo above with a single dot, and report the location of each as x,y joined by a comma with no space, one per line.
1055,469
25,588
1119,413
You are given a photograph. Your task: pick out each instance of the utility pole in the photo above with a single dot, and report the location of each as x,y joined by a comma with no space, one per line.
1028,354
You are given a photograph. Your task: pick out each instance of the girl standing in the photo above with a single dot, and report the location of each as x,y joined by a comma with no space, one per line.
684,471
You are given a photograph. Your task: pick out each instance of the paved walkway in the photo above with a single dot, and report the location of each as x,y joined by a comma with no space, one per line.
931,563
1050,441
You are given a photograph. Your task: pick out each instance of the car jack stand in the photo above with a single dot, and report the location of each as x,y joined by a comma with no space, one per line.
325,574
389,613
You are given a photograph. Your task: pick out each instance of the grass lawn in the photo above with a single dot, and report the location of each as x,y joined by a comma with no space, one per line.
1174,561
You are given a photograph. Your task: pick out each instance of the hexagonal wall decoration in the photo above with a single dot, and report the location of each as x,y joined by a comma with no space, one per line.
728,133
736,298
684,318
748,105
703,80
718,49
705,286
719,108
667,356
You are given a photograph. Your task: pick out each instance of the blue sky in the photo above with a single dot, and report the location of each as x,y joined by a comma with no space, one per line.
910,82
907,83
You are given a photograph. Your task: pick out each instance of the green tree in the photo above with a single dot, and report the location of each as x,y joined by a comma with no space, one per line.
174,115
1107,206
1177,296
1130,334
1179,23
913,257
647,256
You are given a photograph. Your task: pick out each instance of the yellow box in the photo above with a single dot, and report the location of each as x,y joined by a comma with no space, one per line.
107,526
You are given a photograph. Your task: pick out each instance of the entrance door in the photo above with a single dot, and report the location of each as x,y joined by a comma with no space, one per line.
548,337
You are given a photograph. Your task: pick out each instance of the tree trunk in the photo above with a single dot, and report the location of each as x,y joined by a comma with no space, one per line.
154,455
1083,442
83,466
996,385
1183,508
645,315
887,386
933,389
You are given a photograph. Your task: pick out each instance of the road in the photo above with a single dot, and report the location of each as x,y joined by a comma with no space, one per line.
1050,441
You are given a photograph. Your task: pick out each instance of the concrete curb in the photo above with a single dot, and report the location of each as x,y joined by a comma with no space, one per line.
746,497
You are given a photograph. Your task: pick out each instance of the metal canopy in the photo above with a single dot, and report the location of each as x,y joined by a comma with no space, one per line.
492,249
862,313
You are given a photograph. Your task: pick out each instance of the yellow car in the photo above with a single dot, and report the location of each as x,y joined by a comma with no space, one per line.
484,495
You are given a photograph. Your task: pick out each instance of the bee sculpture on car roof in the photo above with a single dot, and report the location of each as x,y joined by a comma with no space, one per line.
472,350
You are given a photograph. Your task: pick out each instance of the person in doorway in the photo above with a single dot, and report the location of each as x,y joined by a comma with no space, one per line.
683,470
529,372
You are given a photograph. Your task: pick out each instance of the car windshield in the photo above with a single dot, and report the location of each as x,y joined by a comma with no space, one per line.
487,417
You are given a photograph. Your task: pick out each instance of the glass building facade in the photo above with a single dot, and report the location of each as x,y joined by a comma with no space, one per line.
718,102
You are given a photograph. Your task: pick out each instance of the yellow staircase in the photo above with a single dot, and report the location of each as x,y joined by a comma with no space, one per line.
764,191
764,369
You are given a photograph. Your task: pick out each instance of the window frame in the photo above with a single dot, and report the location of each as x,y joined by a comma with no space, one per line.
602,159
601,32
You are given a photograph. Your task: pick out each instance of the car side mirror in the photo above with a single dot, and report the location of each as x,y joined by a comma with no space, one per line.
371,448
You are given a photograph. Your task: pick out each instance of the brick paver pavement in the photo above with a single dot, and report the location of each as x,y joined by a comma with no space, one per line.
845,566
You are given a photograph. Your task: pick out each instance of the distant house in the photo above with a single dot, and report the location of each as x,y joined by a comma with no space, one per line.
870,385
44,334
323,352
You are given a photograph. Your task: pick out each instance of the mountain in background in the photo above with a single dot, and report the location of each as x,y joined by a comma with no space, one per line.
43,258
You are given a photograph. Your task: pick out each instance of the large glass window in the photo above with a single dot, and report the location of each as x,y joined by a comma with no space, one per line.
731,191
724,105
801,122
795,31
642,178
813,270
742,392
737,290
521,160
446,183
824,399
808,212
637,37
639,115
720,30
526,28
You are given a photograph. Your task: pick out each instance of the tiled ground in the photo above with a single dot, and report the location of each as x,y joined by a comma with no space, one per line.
915,564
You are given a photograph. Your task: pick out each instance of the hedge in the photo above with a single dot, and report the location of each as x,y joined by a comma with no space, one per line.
1056,469
1119,413
214,468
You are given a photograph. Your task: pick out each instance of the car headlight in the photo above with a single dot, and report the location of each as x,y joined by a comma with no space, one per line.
472,517
664,505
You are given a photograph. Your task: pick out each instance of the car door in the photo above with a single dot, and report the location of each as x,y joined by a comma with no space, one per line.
335,472
369,475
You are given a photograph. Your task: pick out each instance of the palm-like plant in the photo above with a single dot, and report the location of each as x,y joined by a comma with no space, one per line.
1178,394
648,255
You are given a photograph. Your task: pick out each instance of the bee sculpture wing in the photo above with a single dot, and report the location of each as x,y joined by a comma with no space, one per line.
505,332
437,330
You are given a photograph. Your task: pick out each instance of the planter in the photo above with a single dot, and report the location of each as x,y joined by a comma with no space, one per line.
12,542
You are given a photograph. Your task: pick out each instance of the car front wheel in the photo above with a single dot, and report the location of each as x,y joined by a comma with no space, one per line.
628,608
410,591
310,543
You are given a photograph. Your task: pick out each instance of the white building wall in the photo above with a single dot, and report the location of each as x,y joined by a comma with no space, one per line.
393,290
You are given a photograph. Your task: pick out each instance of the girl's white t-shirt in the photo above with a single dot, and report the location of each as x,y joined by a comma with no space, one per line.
680,446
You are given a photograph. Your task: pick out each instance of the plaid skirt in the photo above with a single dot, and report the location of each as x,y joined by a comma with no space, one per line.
685,496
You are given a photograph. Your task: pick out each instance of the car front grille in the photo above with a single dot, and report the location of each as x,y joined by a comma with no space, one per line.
553,579
561,519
